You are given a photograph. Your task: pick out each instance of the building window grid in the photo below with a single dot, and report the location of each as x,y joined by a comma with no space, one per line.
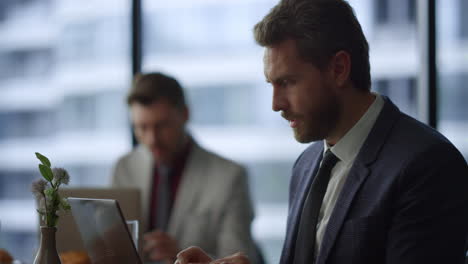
384,16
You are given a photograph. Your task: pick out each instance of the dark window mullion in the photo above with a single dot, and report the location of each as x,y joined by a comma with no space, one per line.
136,44
427,90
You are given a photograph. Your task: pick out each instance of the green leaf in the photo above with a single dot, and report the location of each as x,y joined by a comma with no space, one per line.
40,212
46,172
44,160
65,205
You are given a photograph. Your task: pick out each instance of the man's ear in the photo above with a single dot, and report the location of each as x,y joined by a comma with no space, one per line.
340,67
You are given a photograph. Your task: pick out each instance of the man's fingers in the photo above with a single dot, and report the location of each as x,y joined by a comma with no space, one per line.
178,262
159,241
193,255
186,255
153,244
148,247
237,258
158,255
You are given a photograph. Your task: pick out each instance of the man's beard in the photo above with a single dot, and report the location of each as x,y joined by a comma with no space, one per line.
319,122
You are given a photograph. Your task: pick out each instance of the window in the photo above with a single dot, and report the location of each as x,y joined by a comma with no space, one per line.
395,11
394,53
453,72
26,124
463,19
25,63
64,71
78,40
401,89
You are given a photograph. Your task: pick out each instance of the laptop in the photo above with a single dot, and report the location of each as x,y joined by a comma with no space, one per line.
104,231
129,202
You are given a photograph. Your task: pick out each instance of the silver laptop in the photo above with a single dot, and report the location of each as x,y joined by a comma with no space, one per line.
68,236
104,231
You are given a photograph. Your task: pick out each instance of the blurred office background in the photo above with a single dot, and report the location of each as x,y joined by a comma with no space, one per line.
65,67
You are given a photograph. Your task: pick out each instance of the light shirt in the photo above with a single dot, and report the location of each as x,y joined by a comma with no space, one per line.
346,149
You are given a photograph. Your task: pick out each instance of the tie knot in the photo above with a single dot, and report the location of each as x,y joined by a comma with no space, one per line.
329,159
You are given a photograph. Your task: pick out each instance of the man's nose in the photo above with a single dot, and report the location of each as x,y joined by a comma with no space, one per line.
279,102
153,137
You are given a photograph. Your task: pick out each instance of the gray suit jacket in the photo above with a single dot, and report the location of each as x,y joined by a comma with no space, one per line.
212,209
405,200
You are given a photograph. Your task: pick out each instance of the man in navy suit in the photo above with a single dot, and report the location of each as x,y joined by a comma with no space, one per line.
378,187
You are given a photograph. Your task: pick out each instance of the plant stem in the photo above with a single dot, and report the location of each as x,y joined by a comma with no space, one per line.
46,209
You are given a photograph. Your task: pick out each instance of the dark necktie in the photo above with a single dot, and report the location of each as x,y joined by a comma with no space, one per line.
163,200
305,243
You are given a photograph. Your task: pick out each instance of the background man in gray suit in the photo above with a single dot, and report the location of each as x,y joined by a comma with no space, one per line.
379,186
190,196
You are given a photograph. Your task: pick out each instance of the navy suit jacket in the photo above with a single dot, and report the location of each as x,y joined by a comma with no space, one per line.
405,200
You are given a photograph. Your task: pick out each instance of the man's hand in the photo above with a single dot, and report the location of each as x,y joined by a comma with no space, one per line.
160,246
195,255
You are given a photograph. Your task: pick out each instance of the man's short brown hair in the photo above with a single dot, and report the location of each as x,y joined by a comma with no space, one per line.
320,28
149,88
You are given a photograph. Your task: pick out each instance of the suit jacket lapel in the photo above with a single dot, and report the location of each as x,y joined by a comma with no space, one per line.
358,173
295,211
144,169
188,190
355,178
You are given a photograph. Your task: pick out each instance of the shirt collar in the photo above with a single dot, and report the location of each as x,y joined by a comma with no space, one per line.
347,148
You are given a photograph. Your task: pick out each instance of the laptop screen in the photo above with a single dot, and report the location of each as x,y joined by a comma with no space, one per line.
104,231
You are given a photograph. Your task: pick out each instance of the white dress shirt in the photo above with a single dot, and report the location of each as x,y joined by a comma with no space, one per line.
346,149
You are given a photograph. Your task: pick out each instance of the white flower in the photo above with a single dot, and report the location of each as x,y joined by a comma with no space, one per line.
61,176
38,188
